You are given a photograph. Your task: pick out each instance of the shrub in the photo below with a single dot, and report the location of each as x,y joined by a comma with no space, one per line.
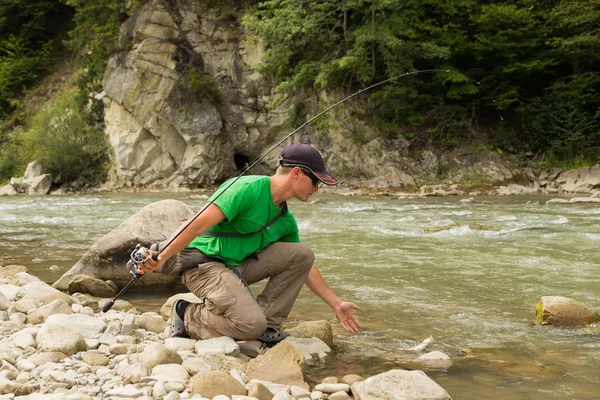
70,145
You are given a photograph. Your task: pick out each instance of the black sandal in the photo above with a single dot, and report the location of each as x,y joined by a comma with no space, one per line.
272,336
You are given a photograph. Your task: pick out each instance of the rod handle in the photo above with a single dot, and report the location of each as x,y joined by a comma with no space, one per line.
108,306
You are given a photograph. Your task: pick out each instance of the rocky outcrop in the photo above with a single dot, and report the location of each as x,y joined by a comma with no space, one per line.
107,258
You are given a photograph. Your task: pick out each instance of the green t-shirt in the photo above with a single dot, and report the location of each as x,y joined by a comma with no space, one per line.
247,206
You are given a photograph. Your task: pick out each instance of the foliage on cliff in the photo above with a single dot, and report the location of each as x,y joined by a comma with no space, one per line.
524,71
33,35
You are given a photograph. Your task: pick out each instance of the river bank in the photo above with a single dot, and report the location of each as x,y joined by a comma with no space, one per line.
62,346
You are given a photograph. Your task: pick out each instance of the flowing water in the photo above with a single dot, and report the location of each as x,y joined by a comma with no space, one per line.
472,287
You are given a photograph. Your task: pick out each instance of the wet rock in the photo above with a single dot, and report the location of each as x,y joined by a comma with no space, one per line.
212,383
57,338
564,311
315,351
314,329
156,354
221,345
290,364
399,384
91,285
435,359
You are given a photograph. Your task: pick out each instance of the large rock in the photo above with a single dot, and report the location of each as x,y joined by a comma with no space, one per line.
57,338
563,311
107,258
289,361
34,168
38,185
8,190
91,285
86,325
399,384
213,383
581,180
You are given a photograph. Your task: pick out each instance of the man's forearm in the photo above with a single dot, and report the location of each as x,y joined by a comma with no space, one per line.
316,283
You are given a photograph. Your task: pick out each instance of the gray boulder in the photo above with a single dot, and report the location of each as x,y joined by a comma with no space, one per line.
8,190
107,258
39,184
34,168
580,180
399,384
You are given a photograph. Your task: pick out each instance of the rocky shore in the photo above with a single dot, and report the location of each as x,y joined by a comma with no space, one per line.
59,346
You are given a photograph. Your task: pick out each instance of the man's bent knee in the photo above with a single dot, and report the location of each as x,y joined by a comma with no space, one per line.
251,326
304,256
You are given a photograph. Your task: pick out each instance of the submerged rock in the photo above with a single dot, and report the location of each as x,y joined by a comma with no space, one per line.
564,311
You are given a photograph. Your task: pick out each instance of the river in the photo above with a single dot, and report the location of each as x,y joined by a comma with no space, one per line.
472,287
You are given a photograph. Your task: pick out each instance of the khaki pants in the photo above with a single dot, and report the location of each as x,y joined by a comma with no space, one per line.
228,308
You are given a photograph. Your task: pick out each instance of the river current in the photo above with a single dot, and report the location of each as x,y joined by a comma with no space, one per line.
473,286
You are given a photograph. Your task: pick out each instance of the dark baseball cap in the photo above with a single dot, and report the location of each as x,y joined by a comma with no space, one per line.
306,156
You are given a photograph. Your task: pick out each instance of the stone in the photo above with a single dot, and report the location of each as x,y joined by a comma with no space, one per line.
156,354
339,396
23,278
34,168
151,323
119,305
258,390
297,392
350,379
11,292
9,272
314,350
178,343
564,311
47,357
24,340
57,338
290,366
127,391
399,385
212,383
44,293
170,372
17,389
117,348
435,359
86,325
332,387
220,345
39,184
8,371
580,180
283,396
94,358
108,256
252,348
91,285
27,304
8,190
4,302
222,362
55,307
314,329
194,365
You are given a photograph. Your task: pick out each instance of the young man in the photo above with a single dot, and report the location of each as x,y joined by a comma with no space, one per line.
245,236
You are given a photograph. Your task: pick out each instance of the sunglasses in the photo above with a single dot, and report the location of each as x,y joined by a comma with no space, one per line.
313,177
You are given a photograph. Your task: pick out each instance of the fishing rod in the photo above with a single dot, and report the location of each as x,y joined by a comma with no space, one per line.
140,254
